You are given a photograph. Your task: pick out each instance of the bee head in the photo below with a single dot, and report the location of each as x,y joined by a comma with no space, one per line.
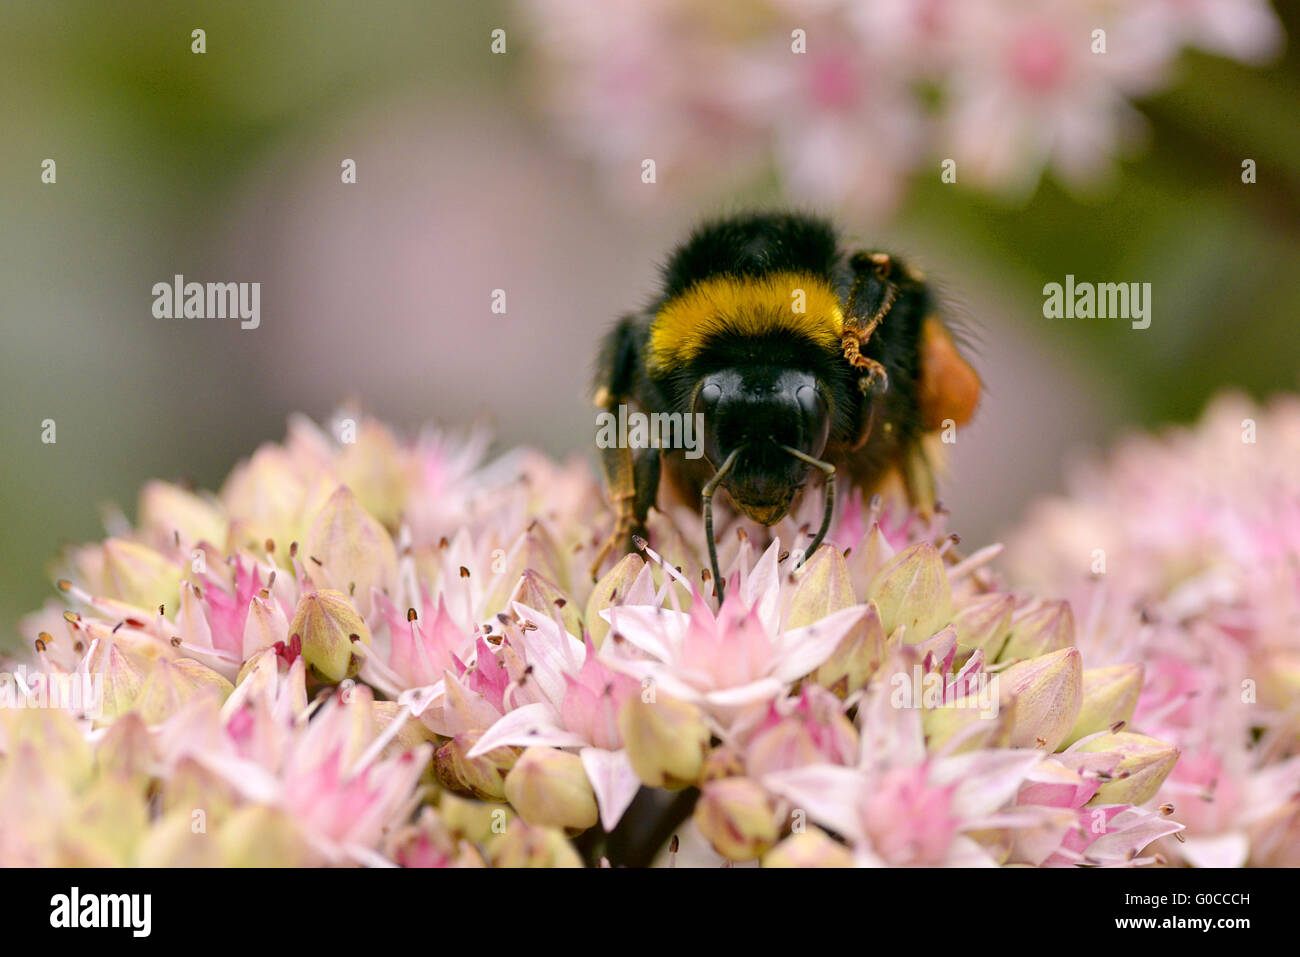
757,410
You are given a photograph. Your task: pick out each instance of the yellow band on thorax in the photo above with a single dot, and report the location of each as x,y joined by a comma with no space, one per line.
800,303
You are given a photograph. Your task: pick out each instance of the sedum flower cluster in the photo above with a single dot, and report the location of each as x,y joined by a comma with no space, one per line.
1182,555
371,650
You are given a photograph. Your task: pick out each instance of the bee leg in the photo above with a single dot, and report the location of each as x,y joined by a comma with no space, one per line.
918,479
873,295
631,484
620,479
646,480
631,501
876,379
622,531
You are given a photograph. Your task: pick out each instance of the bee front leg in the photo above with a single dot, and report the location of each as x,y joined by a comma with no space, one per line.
874,292
630,492
646,474
875,380
632,485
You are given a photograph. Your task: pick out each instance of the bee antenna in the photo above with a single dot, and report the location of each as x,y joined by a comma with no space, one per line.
829,471
707,498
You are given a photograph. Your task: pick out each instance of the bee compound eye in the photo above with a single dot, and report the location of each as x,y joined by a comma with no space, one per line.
816,418
810,400
709,396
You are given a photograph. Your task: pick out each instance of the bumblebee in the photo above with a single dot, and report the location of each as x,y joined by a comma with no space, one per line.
804,358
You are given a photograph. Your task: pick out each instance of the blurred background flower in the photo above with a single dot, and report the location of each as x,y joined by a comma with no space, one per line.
521,171
850,100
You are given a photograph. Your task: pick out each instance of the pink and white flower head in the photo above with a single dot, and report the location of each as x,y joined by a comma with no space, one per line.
906,805
900,806
321,648
1182,552
729,660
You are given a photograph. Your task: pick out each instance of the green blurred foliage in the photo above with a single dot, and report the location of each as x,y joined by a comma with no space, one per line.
151,142
1223,256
